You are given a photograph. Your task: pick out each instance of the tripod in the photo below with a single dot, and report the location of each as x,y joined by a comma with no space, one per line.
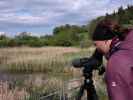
88,65
87,86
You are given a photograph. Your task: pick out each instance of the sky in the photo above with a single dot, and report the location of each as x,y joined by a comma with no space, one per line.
41,16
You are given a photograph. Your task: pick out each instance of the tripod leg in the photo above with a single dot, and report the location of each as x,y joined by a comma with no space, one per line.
91,93
80,93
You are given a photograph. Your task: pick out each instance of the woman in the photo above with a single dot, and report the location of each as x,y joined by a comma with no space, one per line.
116,44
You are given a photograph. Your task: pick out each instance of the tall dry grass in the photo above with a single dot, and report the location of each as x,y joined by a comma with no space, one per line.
55,61
12,94
34,59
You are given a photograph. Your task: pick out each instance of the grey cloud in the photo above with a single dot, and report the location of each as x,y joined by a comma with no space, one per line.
33,14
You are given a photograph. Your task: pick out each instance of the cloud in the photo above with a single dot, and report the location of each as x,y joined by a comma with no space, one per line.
41,16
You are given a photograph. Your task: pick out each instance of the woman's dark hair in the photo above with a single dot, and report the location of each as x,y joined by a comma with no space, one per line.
108,28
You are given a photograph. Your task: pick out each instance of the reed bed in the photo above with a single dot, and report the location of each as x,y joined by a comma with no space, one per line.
44,59
53,62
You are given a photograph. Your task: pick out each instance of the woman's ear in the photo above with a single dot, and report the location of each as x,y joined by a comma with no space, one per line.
108,42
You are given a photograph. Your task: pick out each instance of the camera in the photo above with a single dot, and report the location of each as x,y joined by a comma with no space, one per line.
95,62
